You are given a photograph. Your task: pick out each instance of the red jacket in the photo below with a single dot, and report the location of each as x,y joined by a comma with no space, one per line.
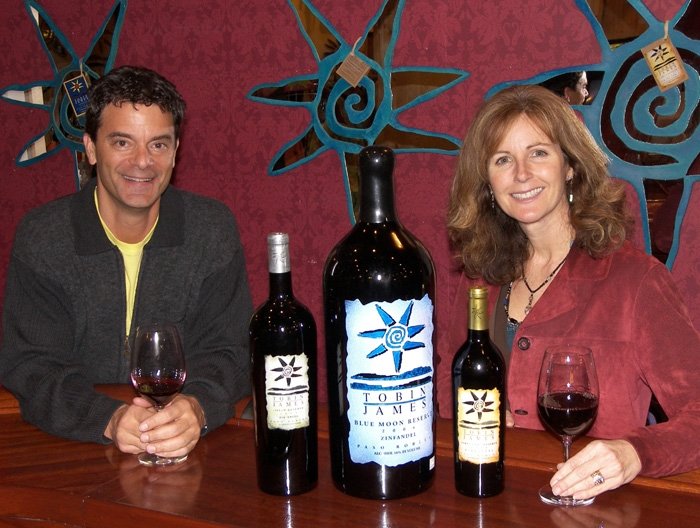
628,310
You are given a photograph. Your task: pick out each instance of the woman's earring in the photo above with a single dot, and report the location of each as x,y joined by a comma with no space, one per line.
493,200
570,188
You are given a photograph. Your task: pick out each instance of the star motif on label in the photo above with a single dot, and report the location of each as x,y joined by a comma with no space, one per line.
659,53
395,336
478,404
287,371
76,86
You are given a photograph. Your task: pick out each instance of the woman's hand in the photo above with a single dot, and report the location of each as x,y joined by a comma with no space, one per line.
600,466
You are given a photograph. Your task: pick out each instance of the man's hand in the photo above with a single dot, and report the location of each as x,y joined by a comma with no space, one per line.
123,427
175,429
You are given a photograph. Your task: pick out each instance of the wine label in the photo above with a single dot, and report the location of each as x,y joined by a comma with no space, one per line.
353,68
478,437
76,90
390,380
287,391
665,63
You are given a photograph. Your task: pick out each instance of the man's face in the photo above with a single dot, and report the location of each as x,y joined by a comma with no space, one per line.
579,93
134,153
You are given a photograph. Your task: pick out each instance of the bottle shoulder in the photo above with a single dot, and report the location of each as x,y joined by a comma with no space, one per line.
479,356
283,312
380,247
392,235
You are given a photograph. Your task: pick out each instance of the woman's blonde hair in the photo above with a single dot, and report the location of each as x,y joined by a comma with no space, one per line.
491,244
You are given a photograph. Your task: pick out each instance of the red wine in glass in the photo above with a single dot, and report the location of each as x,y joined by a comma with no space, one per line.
158,373
568,413
160,390
567,403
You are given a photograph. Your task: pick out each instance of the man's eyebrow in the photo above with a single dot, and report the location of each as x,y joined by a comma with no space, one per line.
117,134
169,137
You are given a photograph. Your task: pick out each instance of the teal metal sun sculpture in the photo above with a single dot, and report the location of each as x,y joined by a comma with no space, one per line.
346,118
64,96
648,134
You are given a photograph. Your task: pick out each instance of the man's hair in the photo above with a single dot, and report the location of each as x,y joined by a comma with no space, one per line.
132,85
567,80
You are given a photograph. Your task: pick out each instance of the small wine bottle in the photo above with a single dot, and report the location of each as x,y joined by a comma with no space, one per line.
478,388
379,285
283,354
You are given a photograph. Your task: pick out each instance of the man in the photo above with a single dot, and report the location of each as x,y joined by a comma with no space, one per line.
127,249
572,86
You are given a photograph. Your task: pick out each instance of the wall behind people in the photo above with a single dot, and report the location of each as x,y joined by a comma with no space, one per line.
216,51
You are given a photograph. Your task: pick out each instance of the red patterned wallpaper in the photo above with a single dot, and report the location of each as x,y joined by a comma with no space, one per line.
216,51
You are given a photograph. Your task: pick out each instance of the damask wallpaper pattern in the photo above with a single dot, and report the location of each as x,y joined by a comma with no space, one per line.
216,51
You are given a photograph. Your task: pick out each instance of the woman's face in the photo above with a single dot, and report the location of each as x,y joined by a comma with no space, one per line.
528,174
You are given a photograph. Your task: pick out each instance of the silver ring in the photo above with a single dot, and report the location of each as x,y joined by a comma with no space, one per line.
598,479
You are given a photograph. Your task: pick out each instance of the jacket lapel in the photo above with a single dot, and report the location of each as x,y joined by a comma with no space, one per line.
573,286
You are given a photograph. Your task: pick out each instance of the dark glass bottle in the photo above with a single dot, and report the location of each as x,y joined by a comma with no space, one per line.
479,392
379,284
283,355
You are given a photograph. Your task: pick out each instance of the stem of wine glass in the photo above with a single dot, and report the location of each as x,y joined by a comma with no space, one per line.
566,443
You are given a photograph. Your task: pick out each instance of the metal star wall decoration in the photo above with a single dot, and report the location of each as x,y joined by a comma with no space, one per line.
346,118
646,133
66,124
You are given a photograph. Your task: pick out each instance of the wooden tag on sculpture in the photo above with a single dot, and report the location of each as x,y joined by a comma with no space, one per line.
665,63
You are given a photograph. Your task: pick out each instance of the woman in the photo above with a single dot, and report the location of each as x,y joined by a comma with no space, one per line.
534,212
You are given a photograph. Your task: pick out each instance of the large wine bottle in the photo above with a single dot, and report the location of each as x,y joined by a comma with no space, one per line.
379,284
283,353
479,392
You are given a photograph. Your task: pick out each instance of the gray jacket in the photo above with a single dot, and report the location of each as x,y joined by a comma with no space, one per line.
64,309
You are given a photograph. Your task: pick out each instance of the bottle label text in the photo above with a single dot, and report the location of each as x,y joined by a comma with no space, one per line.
390,380
478,412
287,391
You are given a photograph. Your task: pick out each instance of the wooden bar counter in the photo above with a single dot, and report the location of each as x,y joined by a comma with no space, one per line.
50,482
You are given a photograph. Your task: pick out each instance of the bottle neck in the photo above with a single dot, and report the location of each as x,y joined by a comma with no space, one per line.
376,186
478,316
279,265
281,285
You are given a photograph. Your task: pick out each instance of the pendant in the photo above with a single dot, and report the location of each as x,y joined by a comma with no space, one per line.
529,303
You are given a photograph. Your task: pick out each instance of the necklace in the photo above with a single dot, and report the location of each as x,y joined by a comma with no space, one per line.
545,282
510,322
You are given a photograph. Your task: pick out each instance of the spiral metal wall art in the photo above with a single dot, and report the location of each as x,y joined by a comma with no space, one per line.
62,96
346,118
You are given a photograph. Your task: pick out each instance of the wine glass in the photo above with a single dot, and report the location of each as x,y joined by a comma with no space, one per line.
567,402
158,373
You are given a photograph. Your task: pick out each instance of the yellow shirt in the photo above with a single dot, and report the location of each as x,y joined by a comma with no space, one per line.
131,254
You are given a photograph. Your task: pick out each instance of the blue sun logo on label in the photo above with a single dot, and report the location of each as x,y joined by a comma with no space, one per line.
396,336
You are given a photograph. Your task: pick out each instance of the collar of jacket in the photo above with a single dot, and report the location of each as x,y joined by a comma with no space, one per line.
90,238
573,286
